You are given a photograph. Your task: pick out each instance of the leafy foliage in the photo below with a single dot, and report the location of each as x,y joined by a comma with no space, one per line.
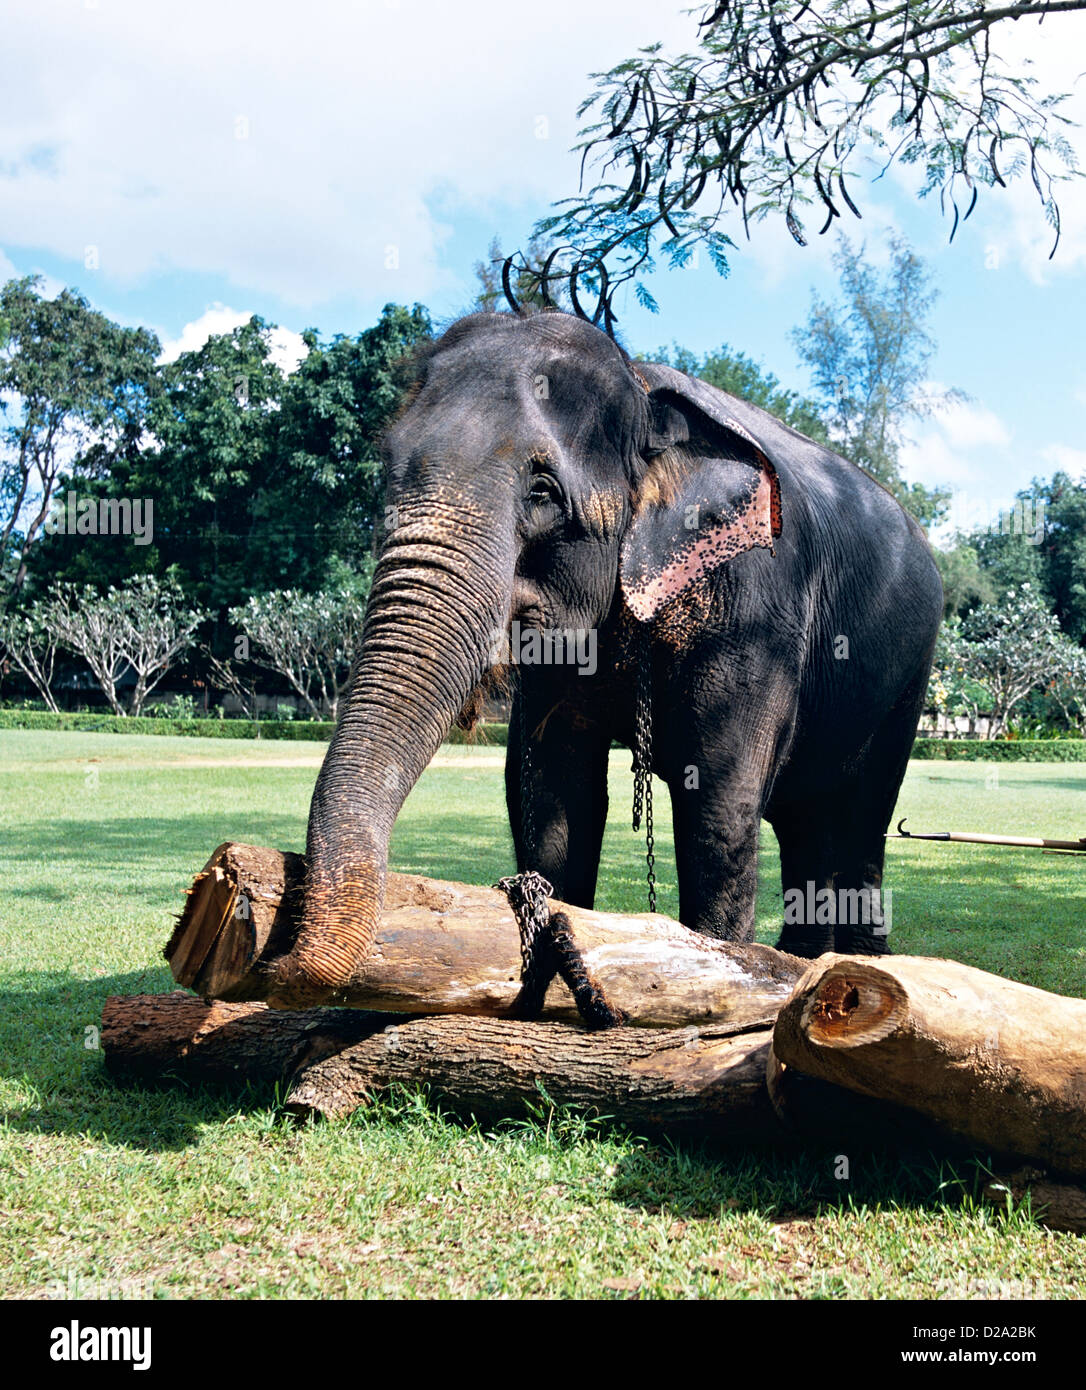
989,661
778,110
335,408
259,481
868,357
1043,542
965,584
74,391
740,375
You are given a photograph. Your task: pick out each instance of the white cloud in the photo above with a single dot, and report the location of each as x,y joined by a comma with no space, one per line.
299,150
933,461
287,348
945,452
1019,229
966,425
1066,459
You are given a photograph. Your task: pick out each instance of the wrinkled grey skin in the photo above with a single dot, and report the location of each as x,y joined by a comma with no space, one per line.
530,456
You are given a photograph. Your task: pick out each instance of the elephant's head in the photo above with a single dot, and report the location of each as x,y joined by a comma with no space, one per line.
536,474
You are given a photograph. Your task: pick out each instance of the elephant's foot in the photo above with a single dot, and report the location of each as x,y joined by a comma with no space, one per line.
806,942
862,944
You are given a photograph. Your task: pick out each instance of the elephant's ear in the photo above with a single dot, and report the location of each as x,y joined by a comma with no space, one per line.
709,492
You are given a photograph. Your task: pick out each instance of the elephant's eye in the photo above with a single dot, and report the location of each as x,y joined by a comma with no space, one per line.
544,488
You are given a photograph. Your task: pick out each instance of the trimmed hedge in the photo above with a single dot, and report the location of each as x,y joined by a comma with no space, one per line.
1016,750
297,729
302,730
1032,750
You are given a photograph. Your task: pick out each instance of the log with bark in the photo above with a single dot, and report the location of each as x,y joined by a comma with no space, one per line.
681,1083
452,948
904,1048
996,1064
708,1083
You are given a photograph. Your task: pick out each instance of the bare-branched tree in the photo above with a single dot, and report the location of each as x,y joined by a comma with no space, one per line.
309,639
144,626
31,642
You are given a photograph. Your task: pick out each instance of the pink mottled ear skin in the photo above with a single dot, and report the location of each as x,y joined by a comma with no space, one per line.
753,523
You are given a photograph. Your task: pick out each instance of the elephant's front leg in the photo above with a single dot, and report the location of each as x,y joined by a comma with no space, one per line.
558,804
717,820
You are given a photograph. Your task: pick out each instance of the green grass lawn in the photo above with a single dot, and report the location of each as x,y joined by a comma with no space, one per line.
195,1193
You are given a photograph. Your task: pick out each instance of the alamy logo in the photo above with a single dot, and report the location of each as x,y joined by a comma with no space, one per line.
78,1343
1026,518
867,906
73,515
545,646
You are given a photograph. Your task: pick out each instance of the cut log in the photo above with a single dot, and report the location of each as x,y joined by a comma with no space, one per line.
453,948
997,1064
818,1112
154,1038
706,1083
684,1083
690,1082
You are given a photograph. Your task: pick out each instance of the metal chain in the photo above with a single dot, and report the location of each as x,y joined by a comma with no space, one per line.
547,944
527,802
642,768
528,893
528,890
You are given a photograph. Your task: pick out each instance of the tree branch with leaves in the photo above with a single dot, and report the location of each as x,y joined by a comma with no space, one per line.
775,113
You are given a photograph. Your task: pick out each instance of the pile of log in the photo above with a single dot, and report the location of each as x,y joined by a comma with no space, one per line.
722,1041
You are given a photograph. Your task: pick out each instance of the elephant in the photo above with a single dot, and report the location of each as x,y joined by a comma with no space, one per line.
784,605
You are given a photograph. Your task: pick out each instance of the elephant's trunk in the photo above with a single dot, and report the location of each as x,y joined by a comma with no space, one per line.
439,593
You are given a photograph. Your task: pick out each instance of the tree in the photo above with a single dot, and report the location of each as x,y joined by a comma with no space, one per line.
778,107
1068,688
258,481
204,463
1041,540
143,627
73,386
528,289
953,689
1001,652
31,641
335,409
868,356
741,376
221,530
965,584
233,676
309,639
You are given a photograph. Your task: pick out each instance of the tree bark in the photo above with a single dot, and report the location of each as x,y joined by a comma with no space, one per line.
684,1083
707,1083
455,949
156,1037
997,1064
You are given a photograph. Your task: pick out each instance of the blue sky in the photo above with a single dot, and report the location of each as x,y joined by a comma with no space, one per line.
212,161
